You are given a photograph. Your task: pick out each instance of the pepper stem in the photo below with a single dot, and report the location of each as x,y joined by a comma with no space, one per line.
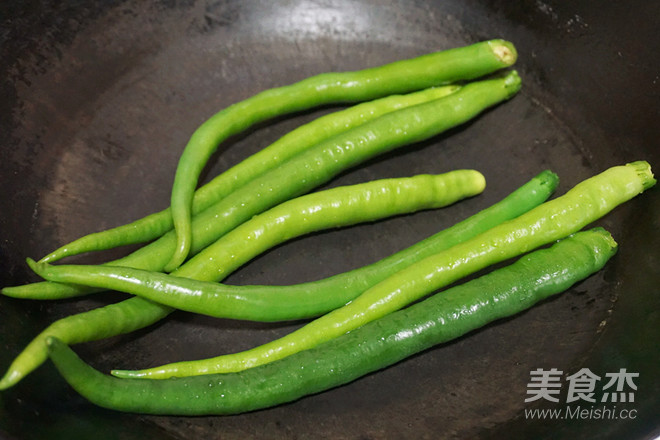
504,51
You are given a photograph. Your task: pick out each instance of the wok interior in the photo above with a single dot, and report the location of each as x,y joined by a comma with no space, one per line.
102,99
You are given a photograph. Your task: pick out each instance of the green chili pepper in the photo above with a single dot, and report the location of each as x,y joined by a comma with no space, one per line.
135,313
430,70
335,207
374,346
305,300
331,208
307,170
553,220
300,139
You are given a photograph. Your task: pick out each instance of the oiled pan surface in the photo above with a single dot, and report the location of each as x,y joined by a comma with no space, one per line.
99,100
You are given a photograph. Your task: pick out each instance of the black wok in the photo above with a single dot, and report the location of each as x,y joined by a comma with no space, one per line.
98,99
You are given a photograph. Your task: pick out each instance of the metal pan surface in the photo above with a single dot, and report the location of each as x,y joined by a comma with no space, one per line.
99,99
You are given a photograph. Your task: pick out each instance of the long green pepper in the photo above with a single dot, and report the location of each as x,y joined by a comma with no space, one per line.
306,171
136,313
292,143
335,207
434,69
304,300
374,346
553,220
310,168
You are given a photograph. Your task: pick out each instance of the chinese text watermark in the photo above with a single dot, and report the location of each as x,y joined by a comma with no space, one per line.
592,396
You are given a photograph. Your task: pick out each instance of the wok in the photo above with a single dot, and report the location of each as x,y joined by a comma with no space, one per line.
100,97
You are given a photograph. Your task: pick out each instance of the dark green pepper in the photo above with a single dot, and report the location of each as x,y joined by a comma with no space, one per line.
376,345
